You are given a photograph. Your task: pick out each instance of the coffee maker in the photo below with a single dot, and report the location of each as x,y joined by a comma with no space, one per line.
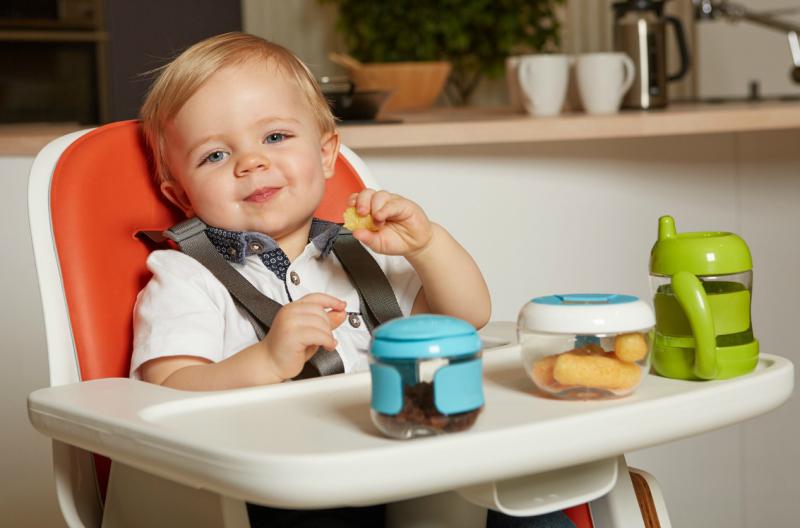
640,30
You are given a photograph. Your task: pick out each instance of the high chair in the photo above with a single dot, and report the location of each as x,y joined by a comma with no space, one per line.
90,192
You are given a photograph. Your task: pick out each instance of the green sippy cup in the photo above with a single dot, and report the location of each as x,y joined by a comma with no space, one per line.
702,284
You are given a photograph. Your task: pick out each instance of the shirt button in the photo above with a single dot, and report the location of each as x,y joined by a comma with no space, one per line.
295,278
255,247
354,320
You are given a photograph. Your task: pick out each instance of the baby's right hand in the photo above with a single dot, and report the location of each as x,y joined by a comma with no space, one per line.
299,328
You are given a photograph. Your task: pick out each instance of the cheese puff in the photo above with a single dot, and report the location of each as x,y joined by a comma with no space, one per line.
600,372
542,372
353,221
630,347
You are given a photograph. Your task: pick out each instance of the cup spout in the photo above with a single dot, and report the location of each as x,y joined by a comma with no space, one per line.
666,228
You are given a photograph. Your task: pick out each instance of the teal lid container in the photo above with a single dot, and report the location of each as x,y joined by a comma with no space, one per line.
427,376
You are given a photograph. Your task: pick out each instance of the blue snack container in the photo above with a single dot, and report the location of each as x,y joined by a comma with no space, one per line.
427,376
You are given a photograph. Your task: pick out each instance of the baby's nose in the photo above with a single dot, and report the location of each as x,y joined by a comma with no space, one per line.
250,163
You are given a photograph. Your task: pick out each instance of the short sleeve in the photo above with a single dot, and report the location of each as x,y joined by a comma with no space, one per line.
178,313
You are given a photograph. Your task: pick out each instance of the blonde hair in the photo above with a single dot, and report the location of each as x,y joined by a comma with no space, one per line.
180,79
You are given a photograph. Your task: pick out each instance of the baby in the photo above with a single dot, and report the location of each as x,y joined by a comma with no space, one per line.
243,139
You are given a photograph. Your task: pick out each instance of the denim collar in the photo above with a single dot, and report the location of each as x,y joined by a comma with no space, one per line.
235,246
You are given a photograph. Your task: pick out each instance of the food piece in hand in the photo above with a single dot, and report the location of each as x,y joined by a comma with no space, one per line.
630,347
353,220
600,372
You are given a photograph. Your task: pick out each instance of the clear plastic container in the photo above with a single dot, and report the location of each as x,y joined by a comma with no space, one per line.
728,298
427,376
586,346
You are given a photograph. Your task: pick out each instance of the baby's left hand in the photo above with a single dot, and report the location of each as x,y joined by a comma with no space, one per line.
402,226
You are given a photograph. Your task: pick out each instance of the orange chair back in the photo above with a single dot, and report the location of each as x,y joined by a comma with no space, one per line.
101,194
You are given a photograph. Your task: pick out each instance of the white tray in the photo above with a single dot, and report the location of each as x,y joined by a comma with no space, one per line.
311,443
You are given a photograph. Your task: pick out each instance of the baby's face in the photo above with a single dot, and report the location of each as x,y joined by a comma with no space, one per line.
246,153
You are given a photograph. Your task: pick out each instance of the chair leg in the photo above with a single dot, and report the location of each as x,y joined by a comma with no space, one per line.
651,501
634,502
137,498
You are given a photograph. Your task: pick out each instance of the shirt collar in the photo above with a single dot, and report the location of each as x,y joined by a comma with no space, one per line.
235,246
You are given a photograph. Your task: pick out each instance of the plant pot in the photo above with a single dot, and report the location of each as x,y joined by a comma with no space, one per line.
414,85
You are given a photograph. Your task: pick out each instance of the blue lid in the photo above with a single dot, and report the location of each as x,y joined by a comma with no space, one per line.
585,298
425,336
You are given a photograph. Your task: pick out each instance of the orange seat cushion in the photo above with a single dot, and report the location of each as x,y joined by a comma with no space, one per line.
101,194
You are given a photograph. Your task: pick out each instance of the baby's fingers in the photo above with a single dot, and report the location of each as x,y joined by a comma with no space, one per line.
363,201
323,300
391,209
335,318
318,337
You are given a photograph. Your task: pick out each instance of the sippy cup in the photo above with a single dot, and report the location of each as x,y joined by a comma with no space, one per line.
427,376
586,346
702,284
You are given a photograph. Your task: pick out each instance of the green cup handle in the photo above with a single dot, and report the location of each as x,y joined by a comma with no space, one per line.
692,298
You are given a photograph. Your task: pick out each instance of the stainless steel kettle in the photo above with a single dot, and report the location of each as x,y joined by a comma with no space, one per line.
640,30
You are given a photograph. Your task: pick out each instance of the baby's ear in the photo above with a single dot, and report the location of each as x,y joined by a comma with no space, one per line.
329,151
175,194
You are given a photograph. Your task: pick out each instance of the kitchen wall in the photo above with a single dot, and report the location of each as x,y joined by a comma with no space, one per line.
605,197
730,55
725,55
27,488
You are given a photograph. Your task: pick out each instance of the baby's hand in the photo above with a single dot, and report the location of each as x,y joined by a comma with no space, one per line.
299,328
401,226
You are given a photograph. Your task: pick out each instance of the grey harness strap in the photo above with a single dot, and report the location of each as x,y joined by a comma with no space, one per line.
376,295
378,303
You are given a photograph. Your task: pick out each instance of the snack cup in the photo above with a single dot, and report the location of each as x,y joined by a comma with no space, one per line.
586,346
427,376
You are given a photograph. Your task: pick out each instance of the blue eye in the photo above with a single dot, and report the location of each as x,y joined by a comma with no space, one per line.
275,137
216,156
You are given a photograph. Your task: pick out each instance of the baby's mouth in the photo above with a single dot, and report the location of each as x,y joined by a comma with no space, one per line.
262,195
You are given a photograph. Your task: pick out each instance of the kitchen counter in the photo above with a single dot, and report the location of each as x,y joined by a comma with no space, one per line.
483,126
28,139
501,125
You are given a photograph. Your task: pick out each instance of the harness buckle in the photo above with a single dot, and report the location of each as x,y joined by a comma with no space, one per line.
185,230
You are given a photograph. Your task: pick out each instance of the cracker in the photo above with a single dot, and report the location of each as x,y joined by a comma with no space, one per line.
353,220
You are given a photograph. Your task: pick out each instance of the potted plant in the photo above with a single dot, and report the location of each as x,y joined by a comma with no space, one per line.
473,36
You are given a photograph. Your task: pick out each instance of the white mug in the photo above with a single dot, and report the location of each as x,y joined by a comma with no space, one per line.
543,81
603,79
515,95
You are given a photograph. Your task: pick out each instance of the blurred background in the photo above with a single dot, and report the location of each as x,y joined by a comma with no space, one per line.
85,62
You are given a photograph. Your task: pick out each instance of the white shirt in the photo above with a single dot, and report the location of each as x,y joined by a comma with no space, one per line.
185,311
